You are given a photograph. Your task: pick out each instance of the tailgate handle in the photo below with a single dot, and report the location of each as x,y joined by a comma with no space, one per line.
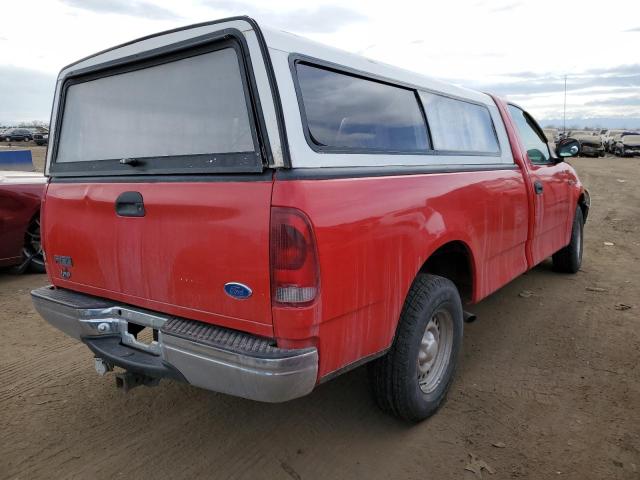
130,204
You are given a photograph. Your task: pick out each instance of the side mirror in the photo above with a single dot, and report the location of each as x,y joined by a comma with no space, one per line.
568,147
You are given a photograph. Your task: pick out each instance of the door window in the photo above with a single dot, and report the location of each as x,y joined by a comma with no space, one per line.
532,138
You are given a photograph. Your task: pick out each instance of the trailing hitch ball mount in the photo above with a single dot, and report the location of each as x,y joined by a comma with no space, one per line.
128,380
125,380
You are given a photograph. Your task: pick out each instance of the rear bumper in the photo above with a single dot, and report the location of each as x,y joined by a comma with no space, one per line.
203,355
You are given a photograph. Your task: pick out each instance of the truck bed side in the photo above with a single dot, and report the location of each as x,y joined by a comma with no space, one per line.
374,235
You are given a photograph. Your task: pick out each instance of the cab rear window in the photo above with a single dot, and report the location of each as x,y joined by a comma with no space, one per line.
187,114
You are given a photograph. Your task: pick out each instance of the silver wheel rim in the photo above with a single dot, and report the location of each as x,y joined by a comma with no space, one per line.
435,350
33,245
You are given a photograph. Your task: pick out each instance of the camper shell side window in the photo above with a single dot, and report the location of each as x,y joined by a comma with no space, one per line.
346,111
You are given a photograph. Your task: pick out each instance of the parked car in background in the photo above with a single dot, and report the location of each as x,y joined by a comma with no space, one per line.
609,139
628,144
41,138
603,133
17,135
573,133
20,197
266,263
590,145
614,139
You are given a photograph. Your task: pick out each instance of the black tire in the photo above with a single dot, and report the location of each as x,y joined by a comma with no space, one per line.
33,247
569,258
394,377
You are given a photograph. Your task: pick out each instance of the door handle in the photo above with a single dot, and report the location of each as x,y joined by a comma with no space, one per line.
538,187
130,204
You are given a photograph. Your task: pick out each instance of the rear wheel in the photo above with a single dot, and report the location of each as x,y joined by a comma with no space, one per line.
569,259
412,379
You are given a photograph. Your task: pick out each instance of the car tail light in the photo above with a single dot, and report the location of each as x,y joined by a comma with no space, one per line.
295,276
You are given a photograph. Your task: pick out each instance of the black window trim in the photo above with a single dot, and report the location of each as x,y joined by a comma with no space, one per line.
295,58
237,162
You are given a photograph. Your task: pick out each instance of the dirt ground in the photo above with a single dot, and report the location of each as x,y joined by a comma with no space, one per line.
548,387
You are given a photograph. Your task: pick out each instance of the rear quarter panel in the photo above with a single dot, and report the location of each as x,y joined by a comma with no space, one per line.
374,234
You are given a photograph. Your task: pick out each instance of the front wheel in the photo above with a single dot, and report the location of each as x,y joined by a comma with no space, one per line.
569,258
411,381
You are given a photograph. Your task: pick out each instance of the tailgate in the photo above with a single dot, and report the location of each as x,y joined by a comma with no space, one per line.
194,238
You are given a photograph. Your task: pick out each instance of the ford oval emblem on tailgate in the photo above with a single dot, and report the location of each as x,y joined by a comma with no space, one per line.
237,290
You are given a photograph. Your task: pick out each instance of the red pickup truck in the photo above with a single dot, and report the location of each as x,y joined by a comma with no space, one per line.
253,213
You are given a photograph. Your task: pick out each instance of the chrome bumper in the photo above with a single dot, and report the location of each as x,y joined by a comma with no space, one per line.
203,355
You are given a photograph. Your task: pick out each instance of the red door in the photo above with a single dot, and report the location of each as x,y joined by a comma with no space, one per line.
551,192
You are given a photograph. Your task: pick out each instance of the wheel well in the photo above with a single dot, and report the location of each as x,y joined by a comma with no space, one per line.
453,261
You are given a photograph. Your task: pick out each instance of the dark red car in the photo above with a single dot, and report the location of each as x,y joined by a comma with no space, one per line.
20,195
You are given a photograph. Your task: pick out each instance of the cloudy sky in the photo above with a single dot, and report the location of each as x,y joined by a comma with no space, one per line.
521,49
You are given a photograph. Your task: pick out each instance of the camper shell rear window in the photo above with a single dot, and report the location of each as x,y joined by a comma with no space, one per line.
186,111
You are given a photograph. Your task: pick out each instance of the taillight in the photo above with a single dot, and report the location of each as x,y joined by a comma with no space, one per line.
295,276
